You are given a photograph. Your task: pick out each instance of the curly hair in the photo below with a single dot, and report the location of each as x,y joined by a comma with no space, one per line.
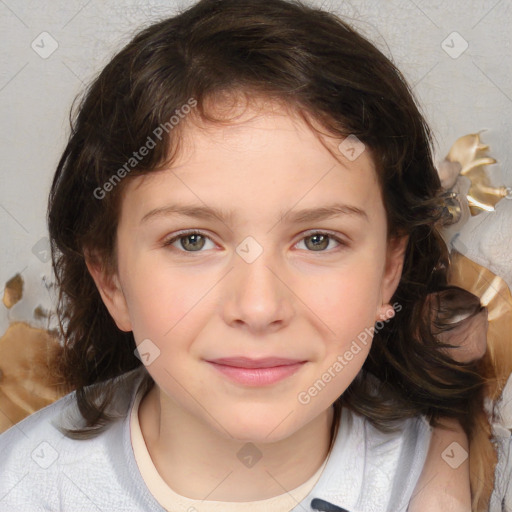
323,70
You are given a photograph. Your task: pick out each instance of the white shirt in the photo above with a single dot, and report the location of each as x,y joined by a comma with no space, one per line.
41,469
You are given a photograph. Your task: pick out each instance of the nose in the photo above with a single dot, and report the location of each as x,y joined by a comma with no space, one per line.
257,295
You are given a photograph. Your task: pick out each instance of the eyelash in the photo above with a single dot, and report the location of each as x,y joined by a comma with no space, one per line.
169,241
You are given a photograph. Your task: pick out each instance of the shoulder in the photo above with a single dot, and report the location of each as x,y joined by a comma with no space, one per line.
371,469
29,452
23,436
394,456
402,450
40,465
395,460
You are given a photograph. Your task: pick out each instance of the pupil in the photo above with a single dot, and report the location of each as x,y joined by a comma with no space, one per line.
194,239
319,241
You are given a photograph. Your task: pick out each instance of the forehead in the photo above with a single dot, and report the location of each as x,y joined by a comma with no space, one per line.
263,151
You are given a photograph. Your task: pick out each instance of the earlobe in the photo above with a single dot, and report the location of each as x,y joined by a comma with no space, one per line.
111,293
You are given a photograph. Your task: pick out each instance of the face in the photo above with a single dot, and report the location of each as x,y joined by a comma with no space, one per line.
269,276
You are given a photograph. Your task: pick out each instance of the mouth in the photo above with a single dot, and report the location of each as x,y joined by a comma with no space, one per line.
256,372
247,362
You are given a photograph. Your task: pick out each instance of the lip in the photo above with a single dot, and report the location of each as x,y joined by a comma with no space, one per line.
256,372
247,362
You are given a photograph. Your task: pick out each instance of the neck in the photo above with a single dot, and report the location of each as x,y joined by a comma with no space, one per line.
200,463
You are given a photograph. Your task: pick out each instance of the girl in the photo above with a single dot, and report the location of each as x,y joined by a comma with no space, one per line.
244,230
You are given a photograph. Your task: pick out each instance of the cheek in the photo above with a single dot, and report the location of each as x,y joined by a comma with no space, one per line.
161,301
347,309
348,300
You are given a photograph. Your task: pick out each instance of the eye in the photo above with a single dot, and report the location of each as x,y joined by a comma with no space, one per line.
190,241
317,241
194,241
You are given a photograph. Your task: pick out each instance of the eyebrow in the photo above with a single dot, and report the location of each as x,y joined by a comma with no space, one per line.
226,216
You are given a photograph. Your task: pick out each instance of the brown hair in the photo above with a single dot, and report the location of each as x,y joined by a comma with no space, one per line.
326,72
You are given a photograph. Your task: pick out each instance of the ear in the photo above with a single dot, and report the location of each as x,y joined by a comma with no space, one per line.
111,293
394,264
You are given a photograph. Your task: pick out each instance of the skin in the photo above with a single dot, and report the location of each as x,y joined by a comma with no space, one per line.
442,486
292,301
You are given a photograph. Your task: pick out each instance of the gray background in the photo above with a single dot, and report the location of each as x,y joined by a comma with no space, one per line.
462,95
